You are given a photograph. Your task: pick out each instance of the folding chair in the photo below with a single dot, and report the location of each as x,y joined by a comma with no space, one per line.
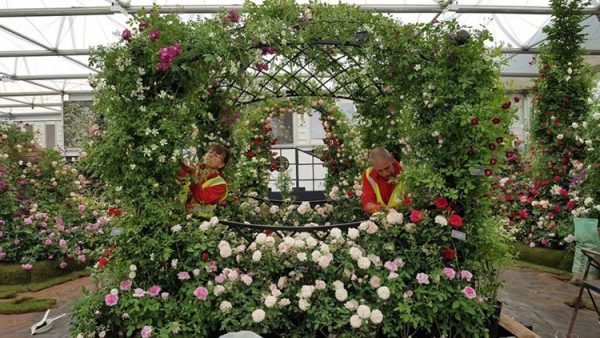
593,259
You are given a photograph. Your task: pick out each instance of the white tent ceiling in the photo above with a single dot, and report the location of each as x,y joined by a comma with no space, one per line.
34,34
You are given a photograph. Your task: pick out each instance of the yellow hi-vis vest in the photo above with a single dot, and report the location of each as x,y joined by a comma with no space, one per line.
395,198
204,210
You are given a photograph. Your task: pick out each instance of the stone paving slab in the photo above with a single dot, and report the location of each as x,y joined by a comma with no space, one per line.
19,326
537,298
531,297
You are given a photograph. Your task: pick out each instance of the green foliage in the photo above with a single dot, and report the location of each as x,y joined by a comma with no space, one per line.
26,305
433,80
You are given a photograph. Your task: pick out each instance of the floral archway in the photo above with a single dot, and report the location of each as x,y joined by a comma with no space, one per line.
429,92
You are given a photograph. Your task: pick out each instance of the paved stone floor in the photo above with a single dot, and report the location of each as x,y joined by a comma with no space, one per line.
537,299
531,297
18,326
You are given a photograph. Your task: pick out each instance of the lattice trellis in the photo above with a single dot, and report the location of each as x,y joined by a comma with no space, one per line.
325,68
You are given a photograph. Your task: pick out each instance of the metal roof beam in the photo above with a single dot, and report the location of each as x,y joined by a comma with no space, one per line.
58,52
26,38
32,105
9,77
46,93
208,9
45,77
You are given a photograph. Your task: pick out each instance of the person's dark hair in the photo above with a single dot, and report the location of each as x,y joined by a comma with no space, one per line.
221,151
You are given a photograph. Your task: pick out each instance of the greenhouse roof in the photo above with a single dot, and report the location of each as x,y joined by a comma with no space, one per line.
44,43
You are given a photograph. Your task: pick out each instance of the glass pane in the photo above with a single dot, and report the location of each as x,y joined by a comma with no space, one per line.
283,128
50,136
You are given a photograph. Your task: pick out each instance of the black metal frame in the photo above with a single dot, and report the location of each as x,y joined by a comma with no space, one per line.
297,165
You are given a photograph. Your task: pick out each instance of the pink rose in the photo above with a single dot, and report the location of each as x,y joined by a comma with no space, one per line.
183,275
469,292
26,266
449,272
139,293
466,275
111,300
154,290
220,278
125,285
201,293
422,278
63,265
146,331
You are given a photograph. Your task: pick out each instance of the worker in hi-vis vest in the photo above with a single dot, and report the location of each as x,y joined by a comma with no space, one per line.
203,187
383,187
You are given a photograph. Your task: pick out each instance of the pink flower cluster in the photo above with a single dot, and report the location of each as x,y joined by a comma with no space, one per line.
167,56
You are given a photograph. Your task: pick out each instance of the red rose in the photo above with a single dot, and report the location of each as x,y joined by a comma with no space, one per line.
250,154
455,221
416,216
102,262
113,212
267,130
556,208
492,146
509,154
563,192
496,120
449,254
268,232
274,141
257,141
506,105
407,201
441,203
205,256
556,178
474,121
523,214
499,140
571,204
350,192
516,99
507,197
487,172
493,160
550,215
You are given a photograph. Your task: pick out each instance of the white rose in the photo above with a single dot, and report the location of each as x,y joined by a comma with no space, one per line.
441,220
246,279
341,294
355,321
336,233
176,228
225,306
306,291
394,217
303,304
383,292
364,263
338,284
363,311
560,136
258,315
132,267
355,253
261,238
311,242
214,220
351,305
274,209
270,301
588,201
284,302
301,256
256,256
132,275
596,116
375,282
315,255
219,289
376,317
353,233
324,261
225,251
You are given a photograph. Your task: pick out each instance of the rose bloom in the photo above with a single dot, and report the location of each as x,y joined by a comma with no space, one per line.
375,282
363,311
455,221
201,293
154,290
146,331
125,285
225,306
139,293
469,292
364,263
183,275
341,294
111,300
376,317
355,321
449,272
383,292
422,278
270,301
466,275
416,216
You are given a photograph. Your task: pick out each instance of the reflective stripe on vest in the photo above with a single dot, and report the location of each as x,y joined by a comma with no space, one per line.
395,198
207,210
